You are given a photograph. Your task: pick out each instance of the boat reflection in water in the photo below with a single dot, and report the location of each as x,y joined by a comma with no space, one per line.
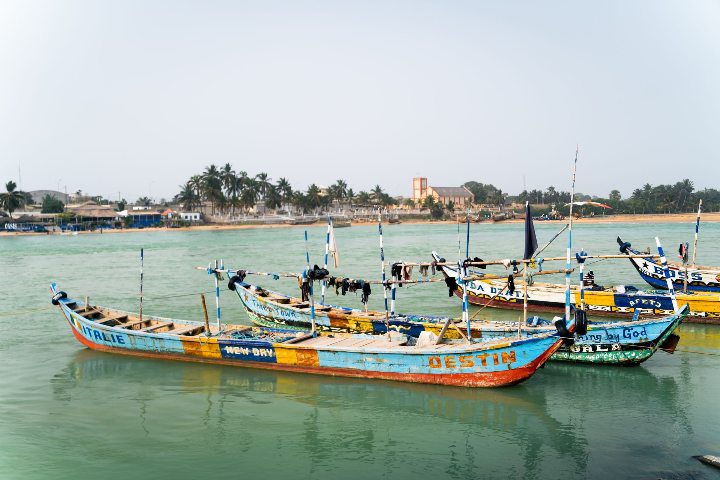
558,425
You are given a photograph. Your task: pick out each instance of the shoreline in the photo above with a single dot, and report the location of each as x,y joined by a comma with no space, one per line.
622,218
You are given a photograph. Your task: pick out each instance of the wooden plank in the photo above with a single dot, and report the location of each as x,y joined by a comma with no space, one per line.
188,329
158,326
106,320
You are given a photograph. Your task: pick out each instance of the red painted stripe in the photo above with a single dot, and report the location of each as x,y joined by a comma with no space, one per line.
490,379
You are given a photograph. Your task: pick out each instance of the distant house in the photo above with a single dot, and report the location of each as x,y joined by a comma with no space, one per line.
141,218
189,216
457,195
93,212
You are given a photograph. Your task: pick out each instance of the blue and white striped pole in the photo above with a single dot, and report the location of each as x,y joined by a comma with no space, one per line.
327,252
697,230
462,268
666,270
217,297
569,246
382,271
142,261
581,257
310,287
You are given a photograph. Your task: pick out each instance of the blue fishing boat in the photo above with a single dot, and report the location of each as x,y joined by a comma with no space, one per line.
488,363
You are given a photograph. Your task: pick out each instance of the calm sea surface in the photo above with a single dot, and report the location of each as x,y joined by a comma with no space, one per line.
68,412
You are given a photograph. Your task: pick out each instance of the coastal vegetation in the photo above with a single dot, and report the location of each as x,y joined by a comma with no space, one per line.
11,199
230,191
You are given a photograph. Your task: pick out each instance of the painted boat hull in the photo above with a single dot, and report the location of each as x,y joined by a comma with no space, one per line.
488,364
705,279
627,343
704,307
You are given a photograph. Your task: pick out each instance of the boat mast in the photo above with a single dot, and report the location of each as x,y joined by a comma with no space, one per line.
466,315
142,261
325,266
217,295
697,229
382,272
670,286
569,246
306,278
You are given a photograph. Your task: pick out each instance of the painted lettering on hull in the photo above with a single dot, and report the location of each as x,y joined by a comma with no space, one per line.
100,336
595,348
450,362
249,353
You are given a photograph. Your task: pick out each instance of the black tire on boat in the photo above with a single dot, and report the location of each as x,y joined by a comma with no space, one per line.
568,338
581,322
57,297
232,281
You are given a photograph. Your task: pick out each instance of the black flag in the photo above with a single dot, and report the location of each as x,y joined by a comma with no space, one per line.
530,238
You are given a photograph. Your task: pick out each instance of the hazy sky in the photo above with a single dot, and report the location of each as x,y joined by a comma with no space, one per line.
136,96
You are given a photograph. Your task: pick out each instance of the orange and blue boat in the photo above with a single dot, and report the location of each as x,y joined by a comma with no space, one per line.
486,363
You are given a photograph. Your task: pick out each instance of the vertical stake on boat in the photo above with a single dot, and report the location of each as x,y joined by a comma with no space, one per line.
462,271
697,229
142,261
582,256
205,314
217,296
467,257
569,246
458,237
666,270
382,271
325,266
306,278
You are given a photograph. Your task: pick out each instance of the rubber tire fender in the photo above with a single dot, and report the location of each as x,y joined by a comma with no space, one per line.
57,297
581,322
567,337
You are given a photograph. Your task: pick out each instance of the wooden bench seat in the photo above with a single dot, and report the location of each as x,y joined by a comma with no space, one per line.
186,330
114,318
130,325
157,326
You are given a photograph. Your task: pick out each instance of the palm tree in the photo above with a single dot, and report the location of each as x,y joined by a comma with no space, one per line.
212,185
11,199
273,199
144,201
284,188
263,183
186,197
377,194
313,196
350,195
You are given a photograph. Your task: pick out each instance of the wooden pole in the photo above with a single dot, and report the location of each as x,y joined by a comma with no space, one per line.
205,313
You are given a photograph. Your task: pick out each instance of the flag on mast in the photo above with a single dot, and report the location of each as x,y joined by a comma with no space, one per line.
531,244
333,248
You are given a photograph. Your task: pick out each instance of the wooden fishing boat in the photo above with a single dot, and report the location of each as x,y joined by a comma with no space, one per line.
492,363
627,343
699,278
300,220
618,301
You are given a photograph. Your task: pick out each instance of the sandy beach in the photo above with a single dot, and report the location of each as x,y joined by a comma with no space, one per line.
623,218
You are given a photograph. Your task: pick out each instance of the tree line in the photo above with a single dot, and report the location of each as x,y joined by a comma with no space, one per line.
229,191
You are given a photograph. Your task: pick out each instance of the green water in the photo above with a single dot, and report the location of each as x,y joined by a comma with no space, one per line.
68,412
